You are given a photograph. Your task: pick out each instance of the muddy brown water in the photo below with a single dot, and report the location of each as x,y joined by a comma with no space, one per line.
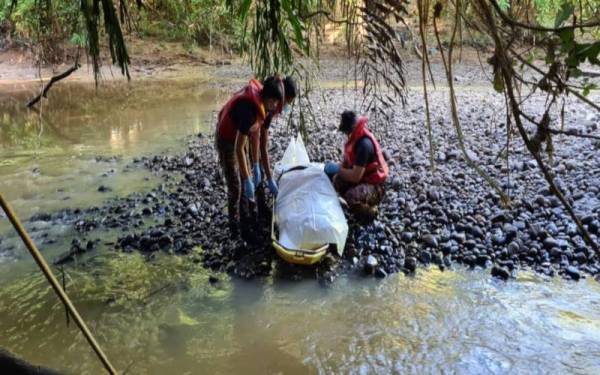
165,316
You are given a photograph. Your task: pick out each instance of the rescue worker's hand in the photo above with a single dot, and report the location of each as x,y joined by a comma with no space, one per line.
273,186
249,189
257,175
331,168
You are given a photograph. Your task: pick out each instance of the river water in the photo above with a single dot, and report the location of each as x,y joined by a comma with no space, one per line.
164,316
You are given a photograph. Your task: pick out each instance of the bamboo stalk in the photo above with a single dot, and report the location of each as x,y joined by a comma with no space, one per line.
41,262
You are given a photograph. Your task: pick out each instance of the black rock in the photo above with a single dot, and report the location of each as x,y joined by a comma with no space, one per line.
477,232
459,237
483,260
165,241
470,244
594,227
552,229
380,273
430,240
410,264
500,272
498,238
580,257
510,231
587,219
514,248
146,243
407,236
370,264
42,216
550,242
573,272
425,257
499,217
438,258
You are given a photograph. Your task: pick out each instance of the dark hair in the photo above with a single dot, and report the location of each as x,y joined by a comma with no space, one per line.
348,121
272,89
289,86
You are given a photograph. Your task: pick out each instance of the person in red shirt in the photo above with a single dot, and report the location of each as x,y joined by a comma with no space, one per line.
241,118
361,176
290,92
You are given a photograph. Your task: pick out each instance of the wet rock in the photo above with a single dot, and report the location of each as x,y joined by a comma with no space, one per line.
552,229
380,273
550,242
42,216
573,272
407,236
370,264
477,232
193,209
498,238
438,258
430,240
459,237
587,219
425,257
594,227
500,272
510,231
410,264
499,217
165,241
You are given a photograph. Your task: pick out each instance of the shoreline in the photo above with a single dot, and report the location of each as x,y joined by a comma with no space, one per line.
450,216
427,219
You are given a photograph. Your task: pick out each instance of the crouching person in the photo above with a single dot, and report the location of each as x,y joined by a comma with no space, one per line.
360,178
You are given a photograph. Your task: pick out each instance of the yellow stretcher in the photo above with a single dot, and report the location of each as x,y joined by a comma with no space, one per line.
297,256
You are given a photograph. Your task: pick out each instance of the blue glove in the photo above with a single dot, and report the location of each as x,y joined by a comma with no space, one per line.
331,168
249,189
273,186
257,175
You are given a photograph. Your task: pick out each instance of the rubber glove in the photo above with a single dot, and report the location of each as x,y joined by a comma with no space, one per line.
257,175
273,186
331,168
249,189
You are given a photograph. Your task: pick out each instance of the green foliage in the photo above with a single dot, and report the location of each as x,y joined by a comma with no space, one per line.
36,19
566,11
203,22
504,4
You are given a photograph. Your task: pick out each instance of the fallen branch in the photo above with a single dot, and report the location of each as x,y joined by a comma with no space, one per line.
52,81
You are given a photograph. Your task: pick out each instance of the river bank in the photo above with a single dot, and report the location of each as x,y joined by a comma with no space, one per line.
127,160
442,218
448,217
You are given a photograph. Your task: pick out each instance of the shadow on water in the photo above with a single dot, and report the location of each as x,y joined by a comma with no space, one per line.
170,315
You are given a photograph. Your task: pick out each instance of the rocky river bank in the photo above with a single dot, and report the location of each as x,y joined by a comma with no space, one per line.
439,219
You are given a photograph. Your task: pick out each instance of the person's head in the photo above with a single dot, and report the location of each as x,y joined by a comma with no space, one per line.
271,93
289,85
347,122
